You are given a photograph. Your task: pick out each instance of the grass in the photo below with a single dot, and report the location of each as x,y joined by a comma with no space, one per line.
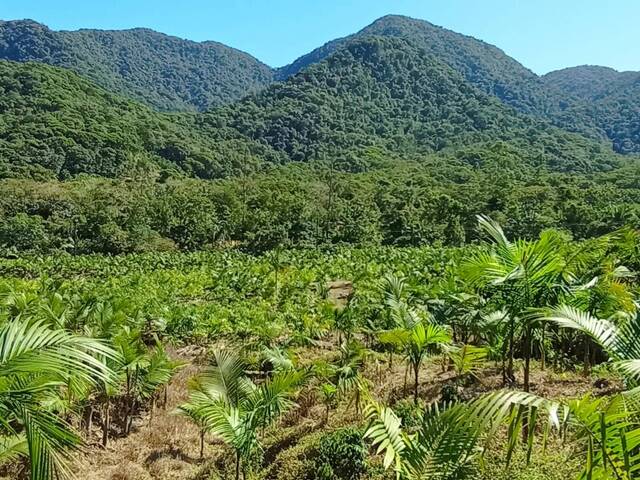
167,446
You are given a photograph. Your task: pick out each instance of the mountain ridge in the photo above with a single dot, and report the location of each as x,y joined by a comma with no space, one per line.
141,63
172,74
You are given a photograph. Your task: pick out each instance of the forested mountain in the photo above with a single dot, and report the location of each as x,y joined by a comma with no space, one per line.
56,124
610,100
165,72
483,65
564,98
388,93
372,98
171,74
397,136
590,82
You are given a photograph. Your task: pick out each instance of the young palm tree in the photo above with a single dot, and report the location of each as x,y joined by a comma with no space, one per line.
347,375
328,394
36,364
417,342
620,341
467,359
227,404
450,439
530,273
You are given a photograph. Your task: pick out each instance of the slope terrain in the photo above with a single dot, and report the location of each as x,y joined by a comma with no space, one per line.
481,64
165,72
380,93
609,100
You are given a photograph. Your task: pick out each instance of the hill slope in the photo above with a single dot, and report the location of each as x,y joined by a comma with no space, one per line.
610,101
164,72
373,98
483,65
389,93
565,98
56,124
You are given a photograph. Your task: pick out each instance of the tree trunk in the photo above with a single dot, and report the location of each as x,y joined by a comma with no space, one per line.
505,347
152,408
106,423
587,357
237,466
416,371
509,375
406,374
527,359
88,419
543,355
201,443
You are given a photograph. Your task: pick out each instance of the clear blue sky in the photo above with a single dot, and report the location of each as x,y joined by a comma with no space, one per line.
544,35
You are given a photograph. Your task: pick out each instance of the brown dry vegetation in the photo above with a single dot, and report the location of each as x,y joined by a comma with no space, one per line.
166,447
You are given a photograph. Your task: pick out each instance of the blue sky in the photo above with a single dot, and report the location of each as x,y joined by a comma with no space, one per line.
544,35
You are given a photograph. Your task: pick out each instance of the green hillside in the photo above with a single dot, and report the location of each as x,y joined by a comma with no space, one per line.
379,142
165,72
564,98
388,93
609,100
376,93
481,64
383,143
56,124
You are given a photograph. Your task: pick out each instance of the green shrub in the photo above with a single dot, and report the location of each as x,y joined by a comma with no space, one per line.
22,231
340,455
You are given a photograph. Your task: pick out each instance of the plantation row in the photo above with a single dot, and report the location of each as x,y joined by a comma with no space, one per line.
377,362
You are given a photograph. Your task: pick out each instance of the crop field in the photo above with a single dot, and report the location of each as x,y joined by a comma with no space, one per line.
503,359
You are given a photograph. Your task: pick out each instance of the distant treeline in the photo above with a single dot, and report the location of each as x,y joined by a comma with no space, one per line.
398,203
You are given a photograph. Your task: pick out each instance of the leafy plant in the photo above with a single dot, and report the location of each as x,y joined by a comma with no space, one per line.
226,403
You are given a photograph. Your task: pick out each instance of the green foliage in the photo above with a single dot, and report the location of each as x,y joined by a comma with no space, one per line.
223,401
481,64
55,124
23,232
164,72
274,306
608,101
340,455
36,361
406,204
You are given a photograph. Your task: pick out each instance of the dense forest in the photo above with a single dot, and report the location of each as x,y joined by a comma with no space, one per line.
386,145
171,74
610,100
433,200
165,72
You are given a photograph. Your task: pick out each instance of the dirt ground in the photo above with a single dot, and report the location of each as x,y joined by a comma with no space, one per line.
167,446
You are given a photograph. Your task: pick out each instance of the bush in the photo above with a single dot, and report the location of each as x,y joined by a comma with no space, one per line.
24,232
409,413
340,455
